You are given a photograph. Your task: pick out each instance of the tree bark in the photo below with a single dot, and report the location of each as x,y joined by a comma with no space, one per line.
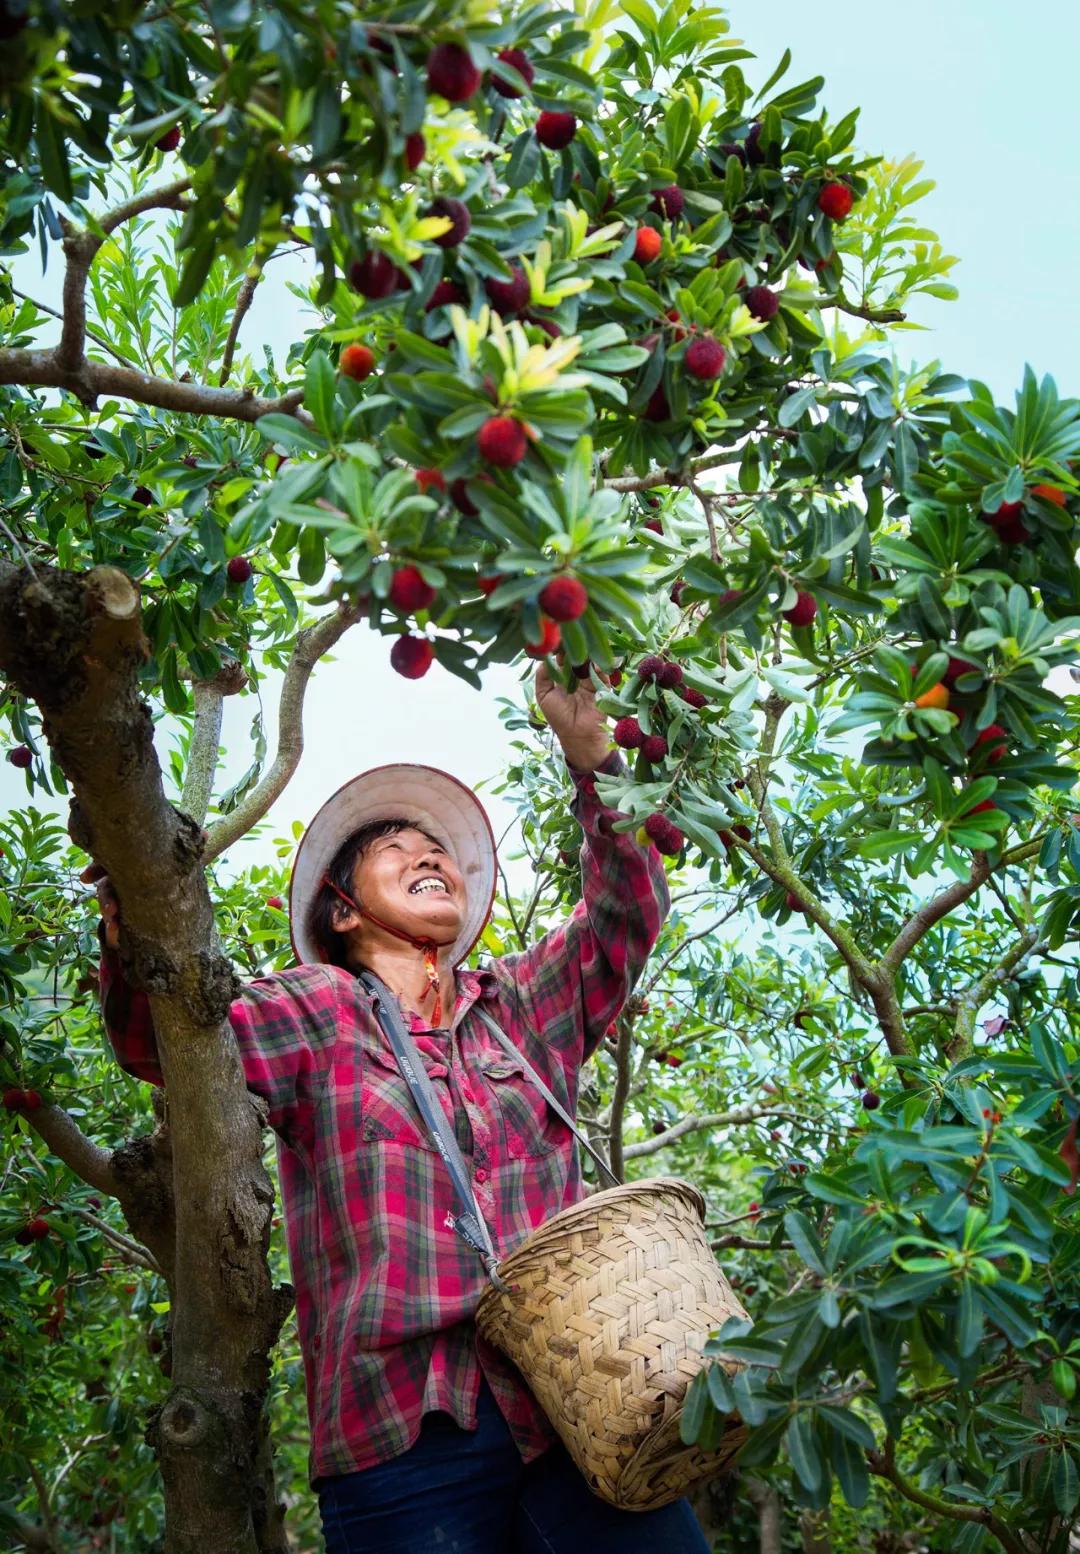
196,1193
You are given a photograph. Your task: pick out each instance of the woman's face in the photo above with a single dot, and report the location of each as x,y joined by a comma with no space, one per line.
413,884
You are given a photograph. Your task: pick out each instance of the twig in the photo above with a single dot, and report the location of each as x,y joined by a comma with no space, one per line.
883,1464
310,645
243,302
205,737
932,912
732,1119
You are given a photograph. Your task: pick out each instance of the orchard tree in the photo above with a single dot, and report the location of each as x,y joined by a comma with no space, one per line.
595,368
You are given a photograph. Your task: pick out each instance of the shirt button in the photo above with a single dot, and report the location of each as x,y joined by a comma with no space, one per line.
481,1175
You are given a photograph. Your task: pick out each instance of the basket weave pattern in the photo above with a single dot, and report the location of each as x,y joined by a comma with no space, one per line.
613,1300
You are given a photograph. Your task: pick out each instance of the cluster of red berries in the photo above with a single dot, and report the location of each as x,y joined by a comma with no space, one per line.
34,1230
665,834
16,1100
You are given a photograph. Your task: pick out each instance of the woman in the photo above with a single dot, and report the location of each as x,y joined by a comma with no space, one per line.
423,1437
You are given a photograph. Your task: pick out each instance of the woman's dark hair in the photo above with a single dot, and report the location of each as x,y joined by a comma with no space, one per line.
341,870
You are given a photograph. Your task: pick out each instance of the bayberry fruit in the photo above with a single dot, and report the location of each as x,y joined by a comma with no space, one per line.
518,60
627,735
170,140
411,656
836,200
654,748
408,591
22,757
548,643
357,362
705,359
451,72
502,441
509,296
763,303
564,598
429,479
457,213
415,150
647,244
802,612
238,569
668,201
555,130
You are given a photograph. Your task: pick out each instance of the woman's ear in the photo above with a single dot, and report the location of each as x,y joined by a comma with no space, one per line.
345,917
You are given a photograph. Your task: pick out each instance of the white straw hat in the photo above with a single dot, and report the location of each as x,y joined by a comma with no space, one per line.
437,803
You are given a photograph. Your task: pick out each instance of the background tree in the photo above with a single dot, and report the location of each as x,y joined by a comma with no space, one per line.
595,360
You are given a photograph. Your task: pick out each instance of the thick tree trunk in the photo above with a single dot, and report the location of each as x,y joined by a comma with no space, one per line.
198,1195
766,1497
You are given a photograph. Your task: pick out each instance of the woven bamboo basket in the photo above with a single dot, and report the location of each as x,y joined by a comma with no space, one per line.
611,1303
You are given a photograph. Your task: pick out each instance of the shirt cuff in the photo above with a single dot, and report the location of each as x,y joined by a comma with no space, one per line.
611,766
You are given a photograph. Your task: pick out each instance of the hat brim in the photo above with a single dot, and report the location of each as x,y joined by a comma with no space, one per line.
437,803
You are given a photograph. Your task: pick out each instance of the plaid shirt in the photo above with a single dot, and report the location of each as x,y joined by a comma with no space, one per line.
385,1288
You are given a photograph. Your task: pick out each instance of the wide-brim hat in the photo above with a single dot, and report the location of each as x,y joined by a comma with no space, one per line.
432,800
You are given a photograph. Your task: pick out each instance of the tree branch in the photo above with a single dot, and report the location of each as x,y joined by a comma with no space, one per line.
141,1256
243,302
205,737
970,1001
932,912
678,1130
883,1464
92,334
311,643
858,310
68,1143
41,369
80,248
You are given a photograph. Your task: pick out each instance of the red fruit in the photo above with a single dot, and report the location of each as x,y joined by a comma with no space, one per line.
658,408
835,199
426,479
615,679
488,585
548,643
518,60
728,838
627,735
451,72
957,667
564,598
375,275
143,495
654,748
978,809
13,1099
694,698
411,656
677,591
170,140
705,359
415,150
668,201
672,1060
871,1100
457,213
997,738
658,1128
763,303
502,441
275,902
668,839
669,676
1007,523
509,296
647,244
1050,494
31,1101
444,294
792,902
356,361
37,1229
555,130
802,612
238,569
649,667
408,591
22,757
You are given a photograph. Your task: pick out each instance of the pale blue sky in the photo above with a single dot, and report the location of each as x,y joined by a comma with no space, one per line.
985,95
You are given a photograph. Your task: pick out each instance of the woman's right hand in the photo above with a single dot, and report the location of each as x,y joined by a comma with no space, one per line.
108,904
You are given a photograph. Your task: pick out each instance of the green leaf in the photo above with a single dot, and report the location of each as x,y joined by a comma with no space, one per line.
849,1464
795,407
524,162
320,392
1066,1481
804,1450
804,1238
693,1410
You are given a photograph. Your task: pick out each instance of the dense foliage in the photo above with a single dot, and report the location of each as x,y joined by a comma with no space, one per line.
593,355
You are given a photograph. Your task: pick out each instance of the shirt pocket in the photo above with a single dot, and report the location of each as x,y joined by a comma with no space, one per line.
529,1126
388,1112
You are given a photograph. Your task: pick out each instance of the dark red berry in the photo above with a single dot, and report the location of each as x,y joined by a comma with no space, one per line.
836,200
457,213
408,591
705,359
564,598
375,275
555,130
143,495
509,296
502,441
22,757
451,72
649,667
238,569
550,637
694,698
803,611
654,747
668,202
627,734
415,150
997,740
518,60
763,303
170,140
669,676
871,1100
411,656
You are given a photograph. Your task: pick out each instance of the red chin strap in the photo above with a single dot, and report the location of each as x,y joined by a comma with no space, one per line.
428,947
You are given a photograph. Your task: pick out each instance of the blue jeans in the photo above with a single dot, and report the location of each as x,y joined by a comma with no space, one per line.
468,1492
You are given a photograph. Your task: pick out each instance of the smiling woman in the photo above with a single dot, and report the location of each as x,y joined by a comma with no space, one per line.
395,876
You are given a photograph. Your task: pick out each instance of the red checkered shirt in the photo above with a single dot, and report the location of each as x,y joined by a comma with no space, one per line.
385,1288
